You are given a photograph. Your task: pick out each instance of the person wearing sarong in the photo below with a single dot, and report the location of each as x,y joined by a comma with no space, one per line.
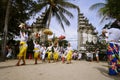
69,53
55,54
36,51
113,35
49,53
23,45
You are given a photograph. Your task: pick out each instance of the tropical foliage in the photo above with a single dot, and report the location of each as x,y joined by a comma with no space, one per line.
108,9
19,12
57,8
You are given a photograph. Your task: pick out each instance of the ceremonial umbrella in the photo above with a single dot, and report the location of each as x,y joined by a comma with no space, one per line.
47,32
62,37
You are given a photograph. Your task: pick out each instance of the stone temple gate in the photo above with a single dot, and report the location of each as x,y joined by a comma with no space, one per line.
86,32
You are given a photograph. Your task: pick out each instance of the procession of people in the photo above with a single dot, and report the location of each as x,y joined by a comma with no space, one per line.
53,52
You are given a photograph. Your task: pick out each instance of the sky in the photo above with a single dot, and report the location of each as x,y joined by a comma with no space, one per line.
71,31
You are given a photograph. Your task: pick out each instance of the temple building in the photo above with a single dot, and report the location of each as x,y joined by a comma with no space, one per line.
37,29
86,33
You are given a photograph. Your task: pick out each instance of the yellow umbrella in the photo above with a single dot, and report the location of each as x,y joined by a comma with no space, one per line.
47,32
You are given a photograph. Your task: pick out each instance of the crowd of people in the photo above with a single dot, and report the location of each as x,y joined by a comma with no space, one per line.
52,52
90,55
55,53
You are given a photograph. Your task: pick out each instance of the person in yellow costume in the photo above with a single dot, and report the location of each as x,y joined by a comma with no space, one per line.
23,45
36,51
55,54
49,52
69,54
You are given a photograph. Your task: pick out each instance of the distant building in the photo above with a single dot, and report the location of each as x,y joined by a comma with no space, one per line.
86,32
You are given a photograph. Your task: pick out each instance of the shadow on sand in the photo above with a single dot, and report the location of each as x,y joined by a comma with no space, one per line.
11,66
104,72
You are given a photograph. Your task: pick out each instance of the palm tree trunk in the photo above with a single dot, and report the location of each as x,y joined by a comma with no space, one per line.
4,41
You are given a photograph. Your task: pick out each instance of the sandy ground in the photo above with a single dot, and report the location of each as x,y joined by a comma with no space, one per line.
78,70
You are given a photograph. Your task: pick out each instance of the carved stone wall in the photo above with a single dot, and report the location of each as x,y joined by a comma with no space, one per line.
86,32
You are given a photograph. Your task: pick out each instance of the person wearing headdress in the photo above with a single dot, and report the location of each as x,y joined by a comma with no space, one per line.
36,50
23,45
113,35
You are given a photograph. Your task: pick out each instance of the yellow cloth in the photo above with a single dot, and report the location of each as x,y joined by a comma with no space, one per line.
69,55
55,55
49,54
23,49
36,53
22,42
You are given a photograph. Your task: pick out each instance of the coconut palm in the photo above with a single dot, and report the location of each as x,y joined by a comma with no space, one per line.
57,8
5,29
108,9
12,13
103,10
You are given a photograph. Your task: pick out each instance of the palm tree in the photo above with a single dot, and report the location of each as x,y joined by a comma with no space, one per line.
5,29
109,9
103,10
57,8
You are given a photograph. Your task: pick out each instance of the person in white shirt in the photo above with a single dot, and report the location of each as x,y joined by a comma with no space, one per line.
36,51
55,53
89,55
43,52
69,53
23,45
79,55
49,52
97,54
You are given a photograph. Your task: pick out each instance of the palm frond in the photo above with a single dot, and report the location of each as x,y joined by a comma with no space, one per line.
66,11
37,8
59,20
97,6
103,18
68,5
64,18
104,13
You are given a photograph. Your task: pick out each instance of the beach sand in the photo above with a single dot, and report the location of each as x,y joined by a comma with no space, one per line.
77,70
